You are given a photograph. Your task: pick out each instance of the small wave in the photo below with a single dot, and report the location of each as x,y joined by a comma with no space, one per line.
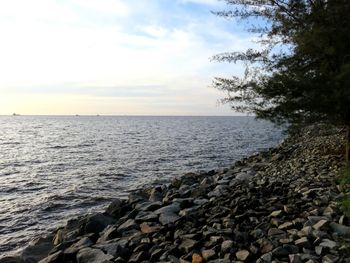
58,147
10,143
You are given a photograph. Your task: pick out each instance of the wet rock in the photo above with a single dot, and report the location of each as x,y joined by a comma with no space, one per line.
115,209
37,249
97,222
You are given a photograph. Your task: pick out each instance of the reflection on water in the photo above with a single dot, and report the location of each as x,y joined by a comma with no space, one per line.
53,168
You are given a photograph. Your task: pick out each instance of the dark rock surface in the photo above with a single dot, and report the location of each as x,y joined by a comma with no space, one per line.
276,206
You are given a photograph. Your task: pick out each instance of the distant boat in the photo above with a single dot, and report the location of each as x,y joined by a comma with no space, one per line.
15,114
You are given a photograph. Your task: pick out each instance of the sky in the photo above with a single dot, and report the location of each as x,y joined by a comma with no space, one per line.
115,57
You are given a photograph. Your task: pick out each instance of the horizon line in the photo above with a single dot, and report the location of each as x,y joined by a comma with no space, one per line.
120,115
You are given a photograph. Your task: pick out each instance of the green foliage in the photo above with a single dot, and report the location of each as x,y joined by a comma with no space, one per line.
302,72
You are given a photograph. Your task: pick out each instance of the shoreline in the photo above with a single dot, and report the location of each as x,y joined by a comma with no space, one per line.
275,205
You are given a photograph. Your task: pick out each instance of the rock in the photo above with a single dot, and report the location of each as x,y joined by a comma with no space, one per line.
37,249
328,243
276,233
266,258
97,222
265,246
149,206
130,224
305,232
54,258
242,255
303,242
10,259
139,257
321,225
147,229
110,232
115,209
276,213
340,229
280,252
226,246
286,226
143,216
330,259
92,255
83,242
208,254
295,259
187,245
196,258
168,218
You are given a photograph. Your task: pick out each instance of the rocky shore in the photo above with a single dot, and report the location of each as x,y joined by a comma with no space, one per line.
277,206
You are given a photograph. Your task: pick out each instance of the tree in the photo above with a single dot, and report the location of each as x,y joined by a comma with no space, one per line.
301,74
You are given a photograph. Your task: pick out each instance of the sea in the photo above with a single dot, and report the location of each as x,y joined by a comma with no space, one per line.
53,168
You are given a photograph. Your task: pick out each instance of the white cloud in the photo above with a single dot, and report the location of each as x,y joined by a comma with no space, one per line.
52,50
116,7
203,2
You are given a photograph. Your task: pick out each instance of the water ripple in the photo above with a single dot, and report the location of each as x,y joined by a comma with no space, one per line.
53,168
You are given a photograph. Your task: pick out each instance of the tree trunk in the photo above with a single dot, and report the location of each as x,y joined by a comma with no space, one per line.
347,151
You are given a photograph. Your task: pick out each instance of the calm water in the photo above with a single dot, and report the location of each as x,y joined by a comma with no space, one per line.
53,168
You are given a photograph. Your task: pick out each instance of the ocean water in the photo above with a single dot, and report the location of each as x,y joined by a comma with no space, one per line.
55,168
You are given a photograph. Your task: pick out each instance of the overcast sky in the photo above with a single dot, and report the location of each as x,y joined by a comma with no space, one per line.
114,56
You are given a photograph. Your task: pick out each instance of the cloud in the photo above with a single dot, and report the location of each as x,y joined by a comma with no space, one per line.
115,7
202,2
119,49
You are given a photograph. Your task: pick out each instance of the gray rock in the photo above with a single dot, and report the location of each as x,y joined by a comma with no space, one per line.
328,243
10,259
37,249
303,242
115,208
54,258
187,245
280,252
340,229
174,208
226,246
97,223
93,255
168,218
295,259
128,225
266,258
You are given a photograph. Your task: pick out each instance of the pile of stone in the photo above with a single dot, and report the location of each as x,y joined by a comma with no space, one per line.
276,206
